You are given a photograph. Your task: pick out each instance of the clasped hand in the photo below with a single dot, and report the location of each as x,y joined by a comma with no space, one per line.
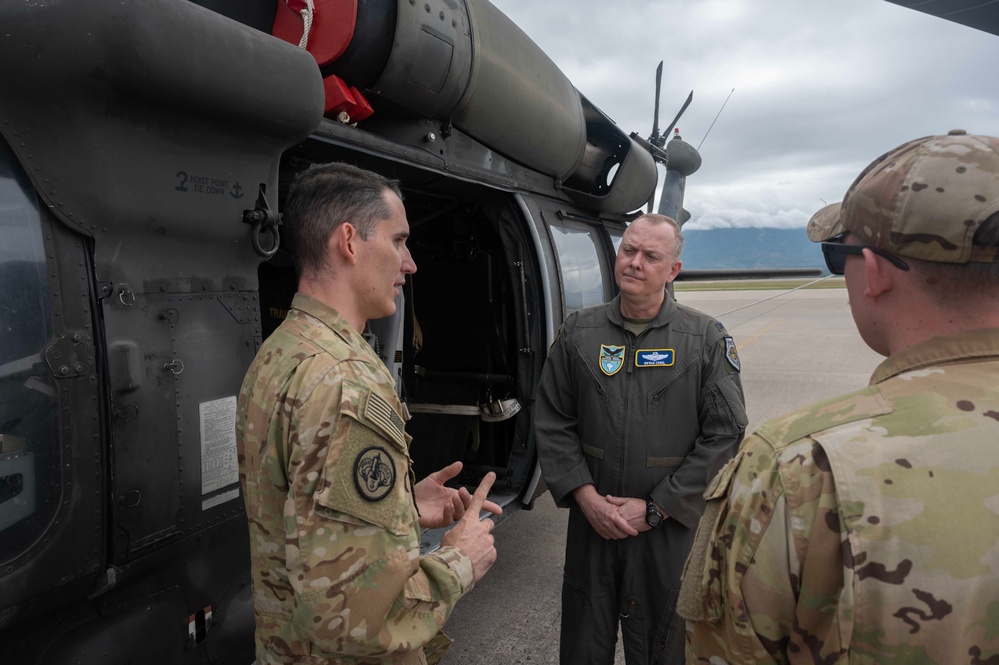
612,517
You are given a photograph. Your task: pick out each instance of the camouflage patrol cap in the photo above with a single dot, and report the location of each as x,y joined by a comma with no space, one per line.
924,199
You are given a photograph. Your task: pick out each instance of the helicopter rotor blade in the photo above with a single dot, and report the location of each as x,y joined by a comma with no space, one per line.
683,108
655,117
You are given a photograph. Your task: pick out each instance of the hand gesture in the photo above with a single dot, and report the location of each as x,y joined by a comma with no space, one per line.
439,505
474,536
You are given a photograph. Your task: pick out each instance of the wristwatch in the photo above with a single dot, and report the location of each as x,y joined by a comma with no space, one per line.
652,515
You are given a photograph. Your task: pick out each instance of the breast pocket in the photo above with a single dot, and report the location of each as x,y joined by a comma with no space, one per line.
671,417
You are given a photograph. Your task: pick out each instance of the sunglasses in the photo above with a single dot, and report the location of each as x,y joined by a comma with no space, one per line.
835,252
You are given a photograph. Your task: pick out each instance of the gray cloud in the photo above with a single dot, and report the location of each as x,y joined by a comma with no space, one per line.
821,88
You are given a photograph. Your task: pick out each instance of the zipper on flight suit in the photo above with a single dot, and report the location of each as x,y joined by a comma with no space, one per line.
629,371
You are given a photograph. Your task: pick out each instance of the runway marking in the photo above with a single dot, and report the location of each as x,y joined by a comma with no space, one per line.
759,333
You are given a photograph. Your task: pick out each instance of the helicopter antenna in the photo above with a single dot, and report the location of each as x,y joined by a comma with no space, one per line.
716,118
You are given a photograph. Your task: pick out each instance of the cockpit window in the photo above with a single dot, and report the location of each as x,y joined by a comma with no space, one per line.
29,468
616,237
585,277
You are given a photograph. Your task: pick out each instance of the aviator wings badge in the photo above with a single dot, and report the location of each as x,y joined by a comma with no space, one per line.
611,358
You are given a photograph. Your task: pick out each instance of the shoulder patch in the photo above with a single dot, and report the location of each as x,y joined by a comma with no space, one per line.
374,473
720,327
378,412
732,354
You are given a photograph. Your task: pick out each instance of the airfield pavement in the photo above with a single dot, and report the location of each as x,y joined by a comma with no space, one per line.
796,348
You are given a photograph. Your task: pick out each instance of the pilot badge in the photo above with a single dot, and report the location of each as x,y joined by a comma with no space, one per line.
655,358
611,358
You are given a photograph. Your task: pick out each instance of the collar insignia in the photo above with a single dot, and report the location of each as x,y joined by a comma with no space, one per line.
374,473
732,354
655,358
611,358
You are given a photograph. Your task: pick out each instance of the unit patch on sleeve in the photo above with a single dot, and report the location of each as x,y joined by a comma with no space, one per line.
374,473
655,358
732,354
611,358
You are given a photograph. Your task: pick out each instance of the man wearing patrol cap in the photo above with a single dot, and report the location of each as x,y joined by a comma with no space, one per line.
865,529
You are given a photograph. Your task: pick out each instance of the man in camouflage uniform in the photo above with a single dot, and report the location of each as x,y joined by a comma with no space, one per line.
334,512
639,403
865,529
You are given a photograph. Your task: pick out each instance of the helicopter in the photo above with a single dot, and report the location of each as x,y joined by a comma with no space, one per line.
146,150
982,16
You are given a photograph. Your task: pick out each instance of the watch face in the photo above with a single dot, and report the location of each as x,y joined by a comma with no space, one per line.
652,515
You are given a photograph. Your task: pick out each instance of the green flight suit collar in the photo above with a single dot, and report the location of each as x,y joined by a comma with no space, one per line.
666,312
940,350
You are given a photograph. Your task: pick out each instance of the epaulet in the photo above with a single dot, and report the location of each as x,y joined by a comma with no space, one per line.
716,329
859,405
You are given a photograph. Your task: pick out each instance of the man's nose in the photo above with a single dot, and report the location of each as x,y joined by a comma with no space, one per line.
408,264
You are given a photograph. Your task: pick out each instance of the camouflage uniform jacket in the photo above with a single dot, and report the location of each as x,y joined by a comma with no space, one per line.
334,529
862,529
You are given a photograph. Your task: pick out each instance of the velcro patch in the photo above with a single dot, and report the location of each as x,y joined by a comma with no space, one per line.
655,358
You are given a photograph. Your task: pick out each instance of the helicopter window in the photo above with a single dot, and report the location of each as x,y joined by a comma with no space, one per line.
585,277
615,237
29,482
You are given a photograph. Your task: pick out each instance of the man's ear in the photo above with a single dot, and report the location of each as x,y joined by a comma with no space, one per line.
879,273
674,272
344,241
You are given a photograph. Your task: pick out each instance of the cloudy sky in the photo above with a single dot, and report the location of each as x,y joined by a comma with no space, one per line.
822,87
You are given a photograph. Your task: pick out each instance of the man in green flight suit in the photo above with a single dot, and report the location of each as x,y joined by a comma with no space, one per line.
865,529
335,515
640,402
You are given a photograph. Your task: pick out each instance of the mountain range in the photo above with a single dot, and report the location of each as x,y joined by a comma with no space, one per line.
749,248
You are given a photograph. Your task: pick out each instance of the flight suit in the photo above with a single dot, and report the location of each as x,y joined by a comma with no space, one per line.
334,529
862,529
648,416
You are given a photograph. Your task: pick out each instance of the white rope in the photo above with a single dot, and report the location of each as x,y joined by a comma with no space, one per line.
307,16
